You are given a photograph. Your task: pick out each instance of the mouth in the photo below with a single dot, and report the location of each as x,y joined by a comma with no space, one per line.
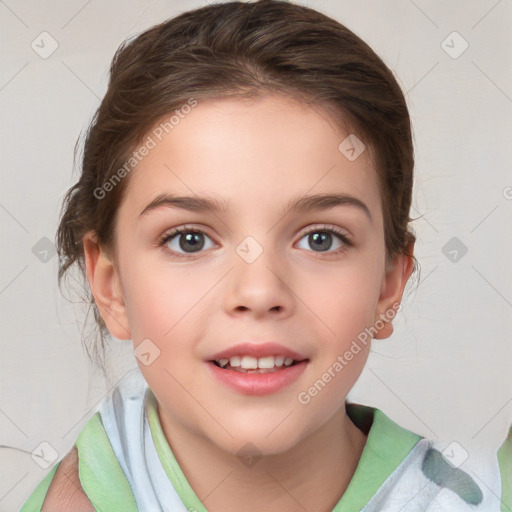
249,364
257,368
247,375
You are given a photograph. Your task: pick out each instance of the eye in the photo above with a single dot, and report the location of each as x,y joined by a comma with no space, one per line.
188,240
322,238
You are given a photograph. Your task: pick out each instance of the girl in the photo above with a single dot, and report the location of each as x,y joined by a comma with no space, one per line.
243,217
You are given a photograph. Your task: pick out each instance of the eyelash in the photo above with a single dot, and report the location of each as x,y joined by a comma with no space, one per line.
347,242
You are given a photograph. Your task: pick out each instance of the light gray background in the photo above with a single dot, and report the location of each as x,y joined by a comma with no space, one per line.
446,371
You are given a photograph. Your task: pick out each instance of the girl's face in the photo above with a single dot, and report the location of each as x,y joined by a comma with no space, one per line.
262,266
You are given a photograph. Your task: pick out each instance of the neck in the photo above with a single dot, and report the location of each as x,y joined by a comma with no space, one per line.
312,476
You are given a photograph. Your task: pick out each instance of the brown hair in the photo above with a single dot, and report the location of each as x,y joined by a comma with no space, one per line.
238,49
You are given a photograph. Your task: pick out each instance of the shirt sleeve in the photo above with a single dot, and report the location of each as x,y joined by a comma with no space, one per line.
505,465
35,501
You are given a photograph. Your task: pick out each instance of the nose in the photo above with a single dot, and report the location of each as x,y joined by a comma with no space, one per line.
259,288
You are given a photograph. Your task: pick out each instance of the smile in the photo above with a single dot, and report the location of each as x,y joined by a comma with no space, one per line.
249,364
253,379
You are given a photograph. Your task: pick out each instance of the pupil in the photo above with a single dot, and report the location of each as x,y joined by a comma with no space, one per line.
319,239
192,239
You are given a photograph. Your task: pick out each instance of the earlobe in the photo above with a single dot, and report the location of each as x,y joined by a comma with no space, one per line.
392,290
106,287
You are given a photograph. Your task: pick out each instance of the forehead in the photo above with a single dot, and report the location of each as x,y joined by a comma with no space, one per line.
251,154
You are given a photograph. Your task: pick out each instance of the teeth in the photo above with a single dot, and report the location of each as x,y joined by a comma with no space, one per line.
279,360
249,363
253,363
266,362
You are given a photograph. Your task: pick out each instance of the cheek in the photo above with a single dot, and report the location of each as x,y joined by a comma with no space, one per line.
345,300
166,307
158,297
169,306
345,310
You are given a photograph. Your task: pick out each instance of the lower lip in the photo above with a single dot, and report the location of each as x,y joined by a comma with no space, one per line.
258,383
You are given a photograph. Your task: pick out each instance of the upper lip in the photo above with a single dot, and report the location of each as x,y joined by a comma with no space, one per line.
257,350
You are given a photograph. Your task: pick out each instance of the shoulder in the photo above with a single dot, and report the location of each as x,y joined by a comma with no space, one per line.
65,493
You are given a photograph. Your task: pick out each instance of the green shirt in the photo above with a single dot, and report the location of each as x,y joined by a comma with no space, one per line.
386,459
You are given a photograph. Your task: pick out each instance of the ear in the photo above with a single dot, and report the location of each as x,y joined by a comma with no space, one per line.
392,290
106,287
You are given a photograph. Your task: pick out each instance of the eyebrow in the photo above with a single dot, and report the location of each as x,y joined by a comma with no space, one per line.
189,203
300,205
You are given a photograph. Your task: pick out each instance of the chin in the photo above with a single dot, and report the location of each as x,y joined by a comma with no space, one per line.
264,438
